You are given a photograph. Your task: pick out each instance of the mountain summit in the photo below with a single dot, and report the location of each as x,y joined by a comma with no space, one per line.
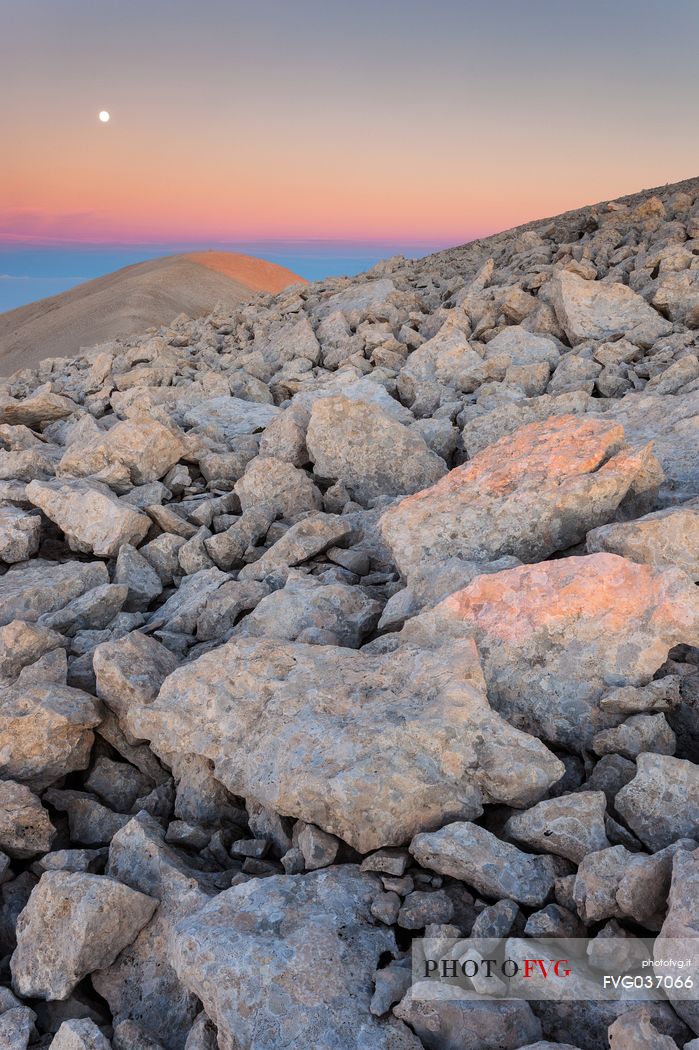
128,301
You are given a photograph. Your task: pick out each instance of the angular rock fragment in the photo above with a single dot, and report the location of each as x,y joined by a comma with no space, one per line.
25,827
140,985
661,803
280,485
592,310
131,670
666,537
570,826
445,1023
308,537
41,408
288,920
28,591
93,519
305,610
678,936
227,417
73,924
368,451
45,731
20,532
493,867
144,446
554,636
369,748
535,492
22,644
79,1034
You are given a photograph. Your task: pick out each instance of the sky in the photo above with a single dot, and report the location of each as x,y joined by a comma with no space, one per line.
385,122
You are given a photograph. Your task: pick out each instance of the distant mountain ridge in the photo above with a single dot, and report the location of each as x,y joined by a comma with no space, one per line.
129,300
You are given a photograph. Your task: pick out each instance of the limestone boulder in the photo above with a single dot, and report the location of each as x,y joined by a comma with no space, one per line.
596,310
445,1022
661,803
570,826
274,483
79,1034
673,427
291,922
45,731
225,418
73,924
130,670
40,408
368,451
25,827
308,610
20,533
554,637
680,930
93,519
665,537
140,985
535,492
495,868
372,748
145,447
28,591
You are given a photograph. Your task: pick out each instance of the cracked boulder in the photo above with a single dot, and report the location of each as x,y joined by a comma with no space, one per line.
291,922
371,748
533,492
554,637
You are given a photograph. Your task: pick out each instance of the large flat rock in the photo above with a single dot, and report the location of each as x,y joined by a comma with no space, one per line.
533,492
556,636
372,748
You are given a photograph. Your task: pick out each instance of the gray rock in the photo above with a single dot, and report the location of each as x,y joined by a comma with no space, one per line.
93,519
570,826
368,451
288,919
493,867
638,733
534,492
73,924
79,1034
45,731
592,310
25,827
304,605
20,533
138,575
27,591
265,741
130,671
445,1023
141,985
665,537
224,418
661,803
680,929
275,483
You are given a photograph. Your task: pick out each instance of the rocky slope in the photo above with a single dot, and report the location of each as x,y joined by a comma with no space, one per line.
130,300
366,611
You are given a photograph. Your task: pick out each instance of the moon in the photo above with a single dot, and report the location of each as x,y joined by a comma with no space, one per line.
104,116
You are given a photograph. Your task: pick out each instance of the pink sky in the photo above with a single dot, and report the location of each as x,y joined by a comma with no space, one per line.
369,121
